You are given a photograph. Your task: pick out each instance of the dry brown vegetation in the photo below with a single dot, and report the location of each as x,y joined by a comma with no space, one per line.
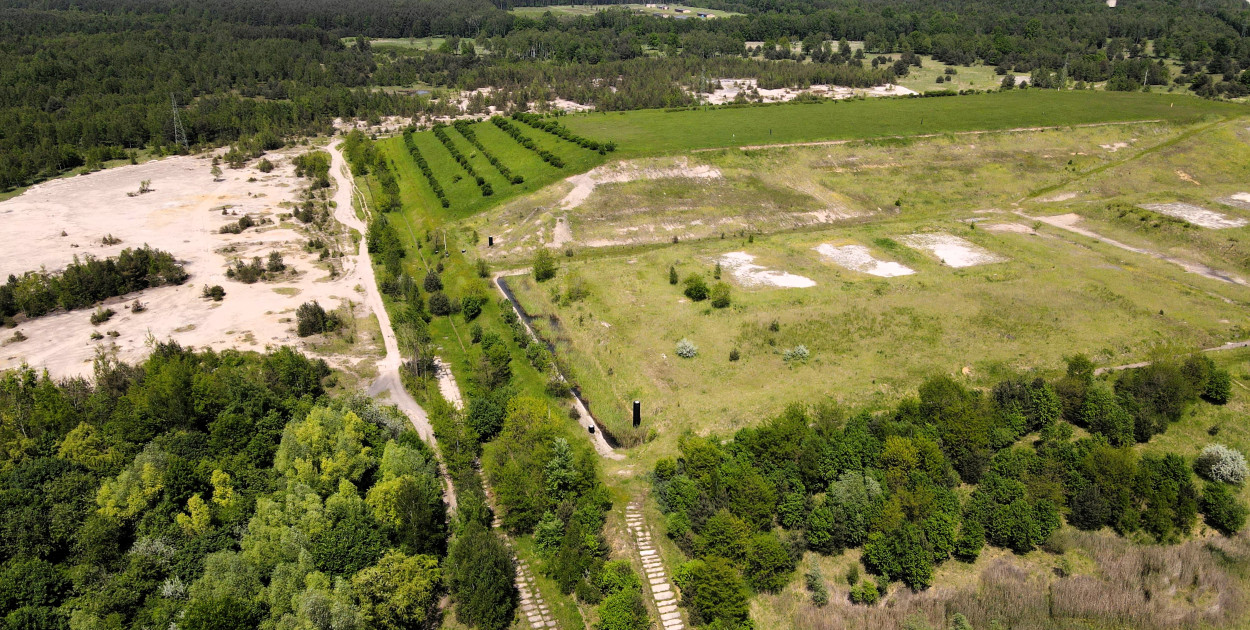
1100,581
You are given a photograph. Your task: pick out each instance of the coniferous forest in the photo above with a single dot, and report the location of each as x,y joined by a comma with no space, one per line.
86,83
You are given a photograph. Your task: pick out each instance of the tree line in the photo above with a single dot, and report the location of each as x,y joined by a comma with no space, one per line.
822,479
87,282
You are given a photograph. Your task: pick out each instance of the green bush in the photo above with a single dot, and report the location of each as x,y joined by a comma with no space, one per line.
696,288
440,304
1222,510
720,295
102,315
544,265
312,319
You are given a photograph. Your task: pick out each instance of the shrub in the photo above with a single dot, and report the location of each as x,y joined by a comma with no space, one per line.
696,288
101,315
686,349
672,275
558,387
1222,510
1219,387
865,593
511,130
264,165
544,265
1221,463
440,304
138,307
275,264
311,319
432,282
797,353
215,292
471,306
734,355
720,295
816,586
483,269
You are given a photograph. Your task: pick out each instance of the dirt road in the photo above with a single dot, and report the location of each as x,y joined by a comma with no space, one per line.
1069,222
388,379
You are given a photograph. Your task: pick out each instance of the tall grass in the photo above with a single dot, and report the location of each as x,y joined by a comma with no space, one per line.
1197,584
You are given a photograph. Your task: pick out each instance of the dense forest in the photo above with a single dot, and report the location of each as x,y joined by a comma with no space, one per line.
83,83
824,480
208,490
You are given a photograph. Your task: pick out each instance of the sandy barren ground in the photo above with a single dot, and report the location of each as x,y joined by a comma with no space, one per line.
952,250
182,215
730,89
742,267
1198,216
629,171
860,258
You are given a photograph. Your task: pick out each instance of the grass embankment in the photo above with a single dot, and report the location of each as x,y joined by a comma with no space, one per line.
652,132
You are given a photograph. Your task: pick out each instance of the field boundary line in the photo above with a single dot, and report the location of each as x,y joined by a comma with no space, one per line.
973,132
1136,156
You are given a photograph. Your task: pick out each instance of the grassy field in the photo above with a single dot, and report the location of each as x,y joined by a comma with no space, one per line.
871,340
465,196
810,187
652,132
691,12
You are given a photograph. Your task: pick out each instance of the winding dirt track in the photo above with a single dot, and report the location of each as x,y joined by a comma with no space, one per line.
388,368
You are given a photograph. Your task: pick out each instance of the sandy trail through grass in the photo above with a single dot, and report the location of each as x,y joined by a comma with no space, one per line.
1069,222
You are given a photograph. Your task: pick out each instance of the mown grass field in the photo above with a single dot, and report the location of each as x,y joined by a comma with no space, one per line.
653,132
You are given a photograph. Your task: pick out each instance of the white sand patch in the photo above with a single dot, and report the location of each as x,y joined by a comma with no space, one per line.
563,234
1014,228
729,90
860,258
952,250
749,274
1114,146
1196,215
1057,197
629,171
1237,200
181,215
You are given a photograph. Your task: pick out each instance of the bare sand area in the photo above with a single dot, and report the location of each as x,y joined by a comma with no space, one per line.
728,90
952,250
49,224
1196,215
860,258
742,267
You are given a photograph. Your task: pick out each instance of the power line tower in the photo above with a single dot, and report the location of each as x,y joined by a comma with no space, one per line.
180,135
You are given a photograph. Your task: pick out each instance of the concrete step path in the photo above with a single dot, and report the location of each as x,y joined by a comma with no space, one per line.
533,609
662,591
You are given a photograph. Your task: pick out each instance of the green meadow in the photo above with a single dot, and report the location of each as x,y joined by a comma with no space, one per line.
654,132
